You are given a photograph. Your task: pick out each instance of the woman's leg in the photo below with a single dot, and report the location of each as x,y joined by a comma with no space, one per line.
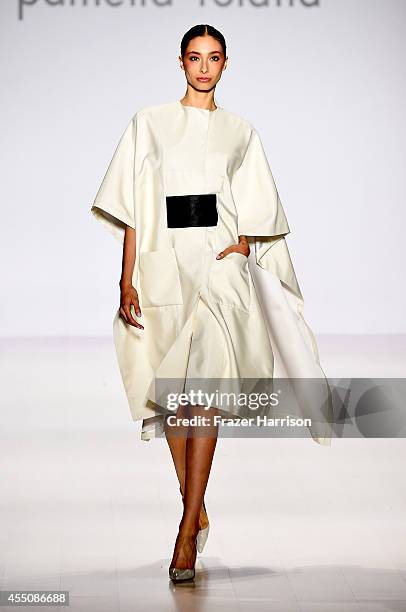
199,451
176,436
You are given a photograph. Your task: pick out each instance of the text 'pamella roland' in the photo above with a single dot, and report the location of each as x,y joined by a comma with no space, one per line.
25,5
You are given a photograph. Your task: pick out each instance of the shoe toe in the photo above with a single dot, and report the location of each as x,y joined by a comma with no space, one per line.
178,574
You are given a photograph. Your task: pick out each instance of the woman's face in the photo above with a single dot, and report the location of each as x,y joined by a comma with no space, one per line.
203,62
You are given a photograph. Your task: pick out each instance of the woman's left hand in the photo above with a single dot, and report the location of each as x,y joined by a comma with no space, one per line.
242,247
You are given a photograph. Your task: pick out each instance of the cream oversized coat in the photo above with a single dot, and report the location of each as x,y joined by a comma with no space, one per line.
236,318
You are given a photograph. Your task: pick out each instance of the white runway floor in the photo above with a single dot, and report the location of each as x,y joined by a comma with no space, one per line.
86,506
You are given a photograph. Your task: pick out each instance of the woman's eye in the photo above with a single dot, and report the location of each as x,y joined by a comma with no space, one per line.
214,57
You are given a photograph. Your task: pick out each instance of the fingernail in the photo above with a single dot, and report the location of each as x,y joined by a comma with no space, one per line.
139,313
218,257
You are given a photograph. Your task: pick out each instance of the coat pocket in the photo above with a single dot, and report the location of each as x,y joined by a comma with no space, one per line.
159,278
230,282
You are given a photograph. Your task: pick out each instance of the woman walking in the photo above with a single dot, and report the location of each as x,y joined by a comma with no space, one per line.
190,195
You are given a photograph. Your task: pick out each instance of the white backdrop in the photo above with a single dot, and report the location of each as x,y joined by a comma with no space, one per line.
324,86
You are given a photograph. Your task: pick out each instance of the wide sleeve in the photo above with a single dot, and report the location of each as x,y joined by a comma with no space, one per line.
260,213
114,205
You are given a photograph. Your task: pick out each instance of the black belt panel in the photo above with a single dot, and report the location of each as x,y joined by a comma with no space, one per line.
192,210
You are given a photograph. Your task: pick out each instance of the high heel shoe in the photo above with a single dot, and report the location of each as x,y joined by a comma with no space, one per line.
177,574
203,533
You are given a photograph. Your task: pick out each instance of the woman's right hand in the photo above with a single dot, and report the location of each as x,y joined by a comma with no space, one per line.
129,297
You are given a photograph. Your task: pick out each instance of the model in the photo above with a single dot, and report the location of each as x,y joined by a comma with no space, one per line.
190,195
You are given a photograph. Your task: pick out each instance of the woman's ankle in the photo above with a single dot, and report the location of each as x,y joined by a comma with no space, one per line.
203,519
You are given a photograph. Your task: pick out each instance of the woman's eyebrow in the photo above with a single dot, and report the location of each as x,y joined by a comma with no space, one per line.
198,53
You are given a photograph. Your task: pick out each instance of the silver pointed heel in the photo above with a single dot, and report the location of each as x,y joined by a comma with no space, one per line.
178,574
203,533
181,575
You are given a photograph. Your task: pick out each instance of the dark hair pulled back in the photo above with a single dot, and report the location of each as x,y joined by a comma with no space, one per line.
202,29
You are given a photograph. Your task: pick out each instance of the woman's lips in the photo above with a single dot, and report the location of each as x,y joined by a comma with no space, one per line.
203,79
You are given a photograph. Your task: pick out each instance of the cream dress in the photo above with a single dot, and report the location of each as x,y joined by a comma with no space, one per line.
227,323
